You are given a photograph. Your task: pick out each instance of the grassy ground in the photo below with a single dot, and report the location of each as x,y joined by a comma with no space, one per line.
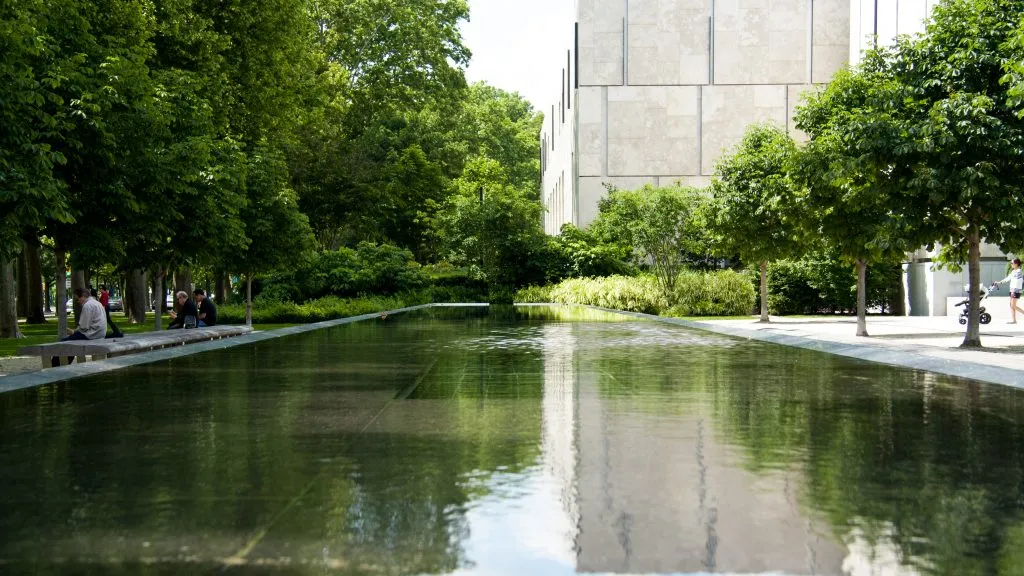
43,333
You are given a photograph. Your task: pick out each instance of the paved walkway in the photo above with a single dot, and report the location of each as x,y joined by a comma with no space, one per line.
936,338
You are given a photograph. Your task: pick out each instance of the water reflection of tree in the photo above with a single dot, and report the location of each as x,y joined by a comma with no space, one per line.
194,458
931,464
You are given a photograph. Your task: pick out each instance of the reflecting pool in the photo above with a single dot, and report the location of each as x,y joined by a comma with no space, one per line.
512,441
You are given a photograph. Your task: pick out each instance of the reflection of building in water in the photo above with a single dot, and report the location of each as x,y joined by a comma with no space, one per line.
875,556
658,493
559,408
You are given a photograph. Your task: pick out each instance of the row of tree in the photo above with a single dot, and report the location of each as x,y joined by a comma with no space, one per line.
156,136
921,144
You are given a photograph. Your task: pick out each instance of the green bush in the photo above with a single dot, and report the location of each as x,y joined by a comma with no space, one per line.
824,284
368,269
792,288
266,311
578,253
533,295
719,293
629,293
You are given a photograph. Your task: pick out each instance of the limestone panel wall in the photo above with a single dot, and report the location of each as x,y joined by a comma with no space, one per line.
761,41
694,181
601,42
653,130
830,38
728,110
666,86
668,41
590,102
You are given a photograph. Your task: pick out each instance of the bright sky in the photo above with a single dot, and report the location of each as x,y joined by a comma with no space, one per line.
519,45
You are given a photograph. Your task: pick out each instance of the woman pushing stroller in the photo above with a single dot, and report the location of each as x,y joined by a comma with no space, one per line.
1016,280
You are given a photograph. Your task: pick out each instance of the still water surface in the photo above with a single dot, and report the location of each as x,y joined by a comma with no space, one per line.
527,441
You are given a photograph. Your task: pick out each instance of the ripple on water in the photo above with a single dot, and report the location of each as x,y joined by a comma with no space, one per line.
587,336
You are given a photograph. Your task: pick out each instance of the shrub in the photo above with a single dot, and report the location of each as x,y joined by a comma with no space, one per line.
629,293
792,288
386,269
266,311
719,293
579,254
823,284
533,295
368,269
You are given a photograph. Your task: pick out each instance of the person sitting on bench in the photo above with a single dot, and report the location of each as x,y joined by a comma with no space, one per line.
207,309
92,322
187,315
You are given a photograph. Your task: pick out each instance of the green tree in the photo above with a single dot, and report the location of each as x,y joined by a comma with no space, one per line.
660,225
277,231
754,202
355,158
33,115
847,181
962,134
493,227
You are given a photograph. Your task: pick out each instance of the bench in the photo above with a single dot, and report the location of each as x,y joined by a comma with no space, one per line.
101,349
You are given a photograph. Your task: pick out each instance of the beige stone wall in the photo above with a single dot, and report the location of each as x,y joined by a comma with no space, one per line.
728,110
667,86
668,42
653,130
761,41
601,41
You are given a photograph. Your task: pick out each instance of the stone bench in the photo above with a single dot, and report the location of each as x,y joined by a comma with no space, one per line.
110,347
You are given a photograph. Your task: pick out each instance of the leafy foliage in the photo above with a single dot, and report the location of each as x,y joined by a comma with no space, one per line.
491,225
960,132
658,225
721,293
268,311
630,293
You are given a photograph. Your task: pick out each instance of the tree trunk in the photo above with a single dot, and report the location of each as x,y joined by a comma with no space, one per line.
862,298
136,296
182,281
8,302
47,283
158,289
248,299
21,284
33,279
764,291
61,277
223,282
77,281
973,337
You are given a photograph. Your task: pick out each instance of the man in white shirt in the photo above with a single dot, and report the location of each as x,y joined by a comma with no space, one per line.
92,322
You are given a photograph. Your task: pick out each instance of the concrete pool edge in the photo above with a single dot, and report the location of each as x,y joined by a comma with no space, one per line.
79,370
869,352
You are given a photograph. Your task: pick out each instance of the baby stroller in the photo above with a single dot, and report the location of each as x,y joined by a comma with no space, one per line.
983,316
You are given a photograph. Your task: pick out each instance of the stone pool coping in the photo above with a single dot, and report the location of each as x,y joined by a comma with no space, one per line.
990,365
77,370
980,365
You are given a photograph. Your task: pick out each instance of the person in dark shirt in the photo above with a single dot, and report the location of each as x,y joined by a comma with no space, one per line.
187,316
207,309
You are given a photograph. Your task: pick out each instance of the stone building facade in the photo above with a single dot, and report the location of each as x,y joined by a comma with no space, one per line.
654,91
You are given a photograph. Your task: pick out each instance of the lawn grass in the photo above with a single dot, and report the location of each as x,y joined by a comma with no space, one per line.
47,332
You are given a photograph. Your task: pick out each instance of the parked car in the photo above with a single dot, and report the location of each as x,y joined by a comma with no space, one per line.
116,305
